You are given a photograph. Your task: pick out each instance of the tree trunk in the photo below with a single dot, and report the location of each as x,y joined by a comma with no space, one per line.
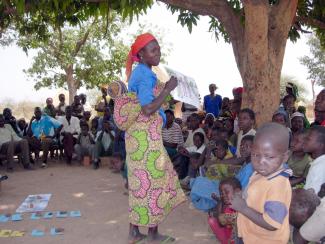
71,83
313,90
258,45
265,38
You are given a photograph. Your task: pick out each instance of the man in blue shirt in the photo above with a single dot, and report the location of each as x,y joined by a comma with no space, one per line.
213,102
42,132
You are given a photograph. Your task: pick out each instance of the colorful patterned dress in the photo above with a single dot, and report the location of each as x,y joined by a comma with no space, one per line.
154,188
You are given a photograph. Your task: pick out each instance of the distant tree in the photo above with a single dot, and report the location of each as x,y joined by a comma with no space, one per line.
315,63
302,90
77,56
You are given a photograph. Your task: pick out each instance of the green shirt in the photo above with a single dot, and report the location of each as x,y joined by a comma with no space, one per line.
300,168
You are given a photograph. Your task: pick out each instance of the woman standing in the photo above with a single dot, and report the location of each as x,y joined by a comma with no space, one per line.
154,189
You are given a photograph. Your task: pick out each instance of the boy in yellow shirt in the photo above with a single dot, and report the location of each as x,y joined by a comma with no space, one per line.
263,212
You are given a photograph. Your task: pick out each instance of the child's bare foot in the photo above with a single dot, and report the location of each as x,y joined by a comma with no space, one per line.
135,235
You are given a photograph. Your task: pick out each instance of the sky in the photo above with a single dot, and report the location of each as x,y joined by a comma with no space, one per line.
197,55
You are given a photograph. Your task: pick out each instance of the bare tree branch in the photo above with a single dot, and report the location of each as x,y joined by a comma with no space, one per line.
82,42
310,21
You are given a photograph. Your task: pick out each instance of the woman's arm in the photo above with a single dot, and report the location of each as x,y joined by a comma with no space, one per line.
156,103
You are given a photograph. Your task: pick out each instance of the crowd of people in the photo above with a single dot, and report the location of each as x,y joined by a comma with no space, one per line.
261,179
62,131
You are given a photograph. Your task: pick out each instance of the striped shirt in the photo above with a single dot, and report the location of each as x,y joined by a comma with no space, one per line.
173,134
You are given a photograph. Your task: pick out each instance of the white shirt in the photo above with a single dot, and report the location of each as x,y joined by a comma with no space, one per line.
241,134
7,134
73,127
316,174
194,149
189,141
106,139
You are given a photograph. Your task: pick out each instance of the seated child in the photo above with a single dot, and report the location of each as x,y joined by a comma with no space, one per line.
215,153
315,146
120,166
246,170
299,160
85,146
246,122
181,162
263,212
222,220
307,213
105,139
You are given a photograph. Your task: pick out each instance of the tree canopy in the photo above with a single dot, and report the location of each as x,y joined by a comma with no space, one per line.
316,62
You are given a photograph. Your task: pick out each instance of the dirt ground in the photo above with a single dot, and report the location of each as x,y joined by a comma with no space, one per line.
99,195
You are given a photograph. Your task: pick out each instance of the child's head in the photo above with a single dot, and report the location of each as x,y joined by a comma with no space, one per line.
246,119
270,148
246,146
297,141
170,117
179,121
297,122
106,125
315,140
209,119
198,139
117,161
226,103
289,101
303,205
229,125
221,149
218,124
94,123
84,129
223,134
87,115
214,134
228,187
194,121
280,117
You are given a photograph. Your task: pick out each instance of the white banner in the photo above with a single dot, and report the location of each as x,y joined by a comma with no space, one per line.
187,90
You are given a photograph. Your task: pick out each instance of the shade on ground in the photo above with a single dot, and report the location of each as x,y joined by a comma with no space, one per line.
99,196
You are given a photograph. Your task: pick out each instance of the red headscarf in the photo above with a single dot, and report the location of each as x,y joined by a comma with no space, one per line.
139,43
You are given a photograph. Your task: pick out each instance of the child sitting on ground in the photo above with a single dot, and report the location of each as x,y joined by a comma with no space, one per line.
181,162
299,160
246,170
216,151
315,145
263,212
307,216
120,166
85,146
222,220
246,122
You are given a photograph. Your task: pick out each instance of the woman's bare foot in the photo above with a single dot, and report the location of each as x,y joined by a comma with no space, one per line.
135,235
154,237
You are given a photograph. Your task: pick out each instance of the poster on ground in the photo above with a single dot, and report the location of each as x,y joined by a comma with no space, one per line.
34,203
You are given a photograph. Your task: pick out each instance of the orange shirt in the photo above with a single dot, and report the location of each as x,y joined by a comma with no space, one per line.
270,196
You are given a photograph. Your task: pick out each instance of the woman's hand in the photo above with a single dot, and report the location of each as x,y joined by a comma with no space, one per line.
171,84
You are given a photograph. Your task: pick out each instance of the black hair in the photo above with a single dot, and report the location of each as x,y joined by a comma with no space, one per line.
170,112
250,113
199,134
288,96
84,125
234,182
320,130
223,130
222,143
248,138
195,116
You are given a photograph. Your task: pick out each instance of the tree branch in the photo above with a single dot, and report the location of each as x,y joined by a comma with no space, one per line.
81,42
310,21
